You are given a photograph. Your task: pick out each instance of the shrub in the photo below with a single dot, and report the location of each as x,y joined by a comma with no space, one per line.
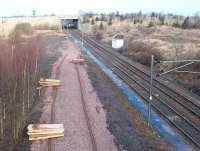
176,24
151,24
186,23
196,24
91,14
84,20
162,19
122,18
46,26
153,14
23,28
92,22
97,19
102,17
110,21
101,26
98,36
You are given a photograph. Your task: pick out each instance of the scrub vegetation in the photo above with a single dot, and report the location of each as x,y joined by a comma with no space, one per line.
38,23
167,36
22,63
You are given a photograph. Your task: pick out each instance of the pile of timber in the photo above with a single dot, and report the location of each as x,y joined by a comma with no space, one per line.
45,131
49,82
77,61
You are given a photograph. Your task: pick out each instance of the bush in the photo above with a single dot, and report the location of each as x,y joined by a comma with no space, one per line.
196,24
92,22
122,18
151,24
110,21
46,27
98,36
162,19
97,19
101,26
153,14
186,23
176,24
23,28
84,20
102,17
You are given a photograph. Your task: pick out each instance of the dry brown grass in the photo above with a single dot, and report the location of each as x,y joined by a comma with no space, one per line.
22,59
171,43
39,23
165,42
21,55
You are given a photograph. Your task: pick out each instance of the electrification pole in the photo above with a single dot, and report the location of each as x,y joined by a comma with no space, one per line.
150,91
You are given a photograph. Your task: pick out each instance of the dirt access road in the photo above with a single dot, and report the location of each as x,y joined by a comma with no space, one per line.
64,106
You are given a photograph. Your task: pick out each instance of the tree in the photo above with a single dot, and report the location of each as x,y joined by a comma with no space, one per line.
121,18
85,19
91,14
110,21
153,14
136,20
161,19
139,13
102,17
97,18
92,22
151,24
176,24
186,23
117,14
101,26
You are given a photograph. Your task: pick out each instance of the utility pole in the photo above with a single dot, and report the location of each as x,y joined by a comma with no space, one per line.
81,13
150,91
82,34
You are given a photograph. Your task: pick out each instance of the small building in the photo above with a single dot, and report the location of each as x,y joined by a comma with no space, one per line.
118,41
70,21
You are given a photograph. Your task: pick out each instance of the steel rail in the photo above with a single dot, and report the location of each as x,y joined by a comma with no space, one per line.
142,72
192,107
191,128
91,133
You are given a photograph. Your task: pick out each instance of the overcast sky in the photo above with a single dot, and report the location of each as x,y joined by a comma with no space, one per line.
62,7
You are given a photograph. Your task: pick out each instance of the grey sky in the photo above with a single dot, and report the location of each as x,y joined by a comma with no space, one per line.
25,7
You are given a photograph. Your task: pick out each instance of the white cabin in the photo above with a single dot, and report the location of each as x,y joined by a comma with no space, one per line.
118,41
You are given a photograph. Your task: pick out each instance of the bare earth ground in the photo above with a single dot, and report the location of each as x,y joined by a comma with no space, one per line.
125,122
67,109
113,119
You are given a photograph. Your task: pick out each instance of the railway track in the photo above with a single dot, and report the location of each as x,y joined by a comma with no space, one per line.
180,110
83,102
91,133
